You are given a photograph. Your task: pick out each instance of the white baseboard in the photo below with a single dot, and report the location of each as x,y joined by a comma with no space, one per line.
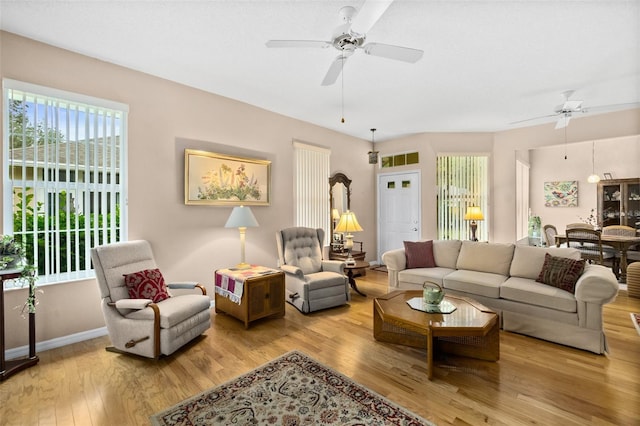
57,342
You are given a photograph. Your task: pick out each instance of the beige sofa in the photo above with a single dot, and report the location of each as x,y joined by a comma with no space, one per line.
503,277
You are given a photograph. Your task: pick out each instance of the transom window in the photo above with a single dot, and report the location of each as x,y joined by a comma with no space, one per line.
64,182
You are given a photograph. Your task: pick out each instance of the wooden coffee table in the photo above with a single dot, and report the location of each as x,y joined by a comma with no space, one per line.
471,330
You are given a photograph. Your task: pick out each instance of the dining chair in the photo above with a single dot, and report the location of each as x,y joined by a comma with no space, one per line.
625,231
550,233
589,242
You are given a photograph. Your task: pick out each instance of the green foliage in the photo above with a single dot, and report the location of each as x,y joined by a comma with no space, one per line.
68,229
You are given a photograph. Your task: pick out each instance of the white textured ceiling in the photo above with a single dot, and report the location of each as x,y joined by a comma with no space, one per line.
485,64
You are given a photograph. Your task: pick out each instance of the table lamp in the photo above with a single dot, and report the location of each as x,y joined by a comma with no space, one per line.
348,223
241,217
473,213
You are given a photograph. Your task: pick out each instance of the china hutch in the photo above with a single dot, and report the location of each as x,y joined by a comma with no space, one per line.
619,202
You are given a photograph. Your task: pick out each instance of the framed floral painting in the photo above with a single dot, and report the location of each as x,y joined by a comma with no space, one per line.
561,193
218,179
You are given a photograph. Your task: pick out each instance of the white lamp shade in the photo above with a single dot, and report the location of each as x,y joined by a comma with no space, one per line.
241,217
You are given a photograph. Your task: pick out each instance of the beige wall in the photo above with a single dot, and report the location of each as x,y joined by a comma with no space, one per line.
190,242
503,148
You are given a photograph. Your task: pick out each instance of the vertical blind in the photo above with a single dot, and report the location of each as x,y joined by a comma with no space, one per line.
64,185
311,187
462,181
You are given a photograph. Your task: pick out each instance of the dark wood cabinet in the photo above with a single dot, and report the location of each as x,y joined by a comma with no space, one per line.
619,202
262,297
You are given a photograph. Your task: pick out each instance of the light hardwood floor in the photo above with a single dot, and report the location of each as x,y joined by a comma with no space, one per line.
535,382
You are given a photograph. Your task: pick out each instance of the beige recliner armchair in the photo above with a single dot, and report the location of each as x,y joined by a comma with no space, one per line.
311,282
138,325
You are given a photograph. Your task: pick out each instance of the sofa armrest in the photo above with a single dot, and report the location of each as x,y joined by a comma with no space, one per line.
292,270
395,259
333,266
597,285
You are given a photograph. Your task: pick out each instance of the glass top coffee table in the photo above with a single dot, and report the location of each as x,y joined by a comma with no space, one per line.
471,330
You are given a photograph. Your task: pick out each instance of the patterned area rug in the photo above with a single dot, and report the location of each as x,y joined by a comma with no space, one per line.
635,319
291,390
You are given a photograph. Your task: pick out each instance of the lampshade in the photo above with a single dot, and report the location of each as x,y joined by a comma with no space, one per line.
335,215
473,213
241,217
348,223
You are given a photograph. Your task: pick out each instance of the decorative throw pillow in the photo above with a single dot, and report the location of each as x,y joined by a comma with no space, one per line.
560,272
419,254
147,284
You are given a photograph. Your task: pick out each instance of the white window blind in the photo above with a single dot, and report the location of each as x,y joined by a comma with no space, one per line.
522,199
64,176
462,181
311,187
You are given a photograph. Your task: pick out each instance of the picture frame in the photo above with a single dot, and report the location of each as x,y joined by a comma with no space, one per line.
216,179
561,193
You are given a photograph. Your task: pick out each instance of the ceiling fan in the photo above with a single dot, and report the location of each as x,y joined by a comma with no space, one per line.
351,36
569,107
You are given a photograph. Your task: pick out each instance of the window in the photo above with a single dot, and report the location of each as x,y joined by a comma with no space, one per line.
400,160
311,187
462,182
64,180
522,200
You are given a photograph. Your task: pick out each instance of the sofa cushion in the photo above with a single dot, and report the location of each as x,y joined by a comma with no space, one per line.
146,284
420,275
531,292
419,254
560,272
474,282
528,260
494,258
445,253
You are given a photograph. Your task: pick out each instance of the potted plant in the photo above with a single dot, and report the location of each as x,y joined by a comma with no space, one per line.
14,257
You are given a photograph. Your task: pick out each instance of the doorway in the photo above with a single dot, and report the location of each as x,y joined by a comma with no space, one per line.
398,210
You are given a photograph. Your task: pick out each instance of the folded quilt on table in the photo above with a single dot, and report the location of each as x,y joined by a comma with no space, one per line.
230,281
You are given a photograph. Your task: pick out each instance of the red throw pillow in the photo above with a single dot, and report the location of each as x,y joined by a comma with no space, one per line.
560,272
147,284
419,254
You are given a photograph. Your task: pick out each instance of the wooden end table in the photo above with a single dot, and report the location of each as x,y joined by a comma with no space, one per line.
472,330
351,269
263,296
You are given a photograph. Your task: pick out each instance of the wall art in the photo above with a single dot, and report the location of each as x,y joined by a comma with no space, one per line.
561,193
219,179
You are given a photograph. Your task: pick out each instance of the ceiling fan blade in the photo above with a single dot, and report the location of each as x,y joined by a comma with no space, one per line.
298,43
534,118
334,70
399,53
611,107
571,106
369,14
563,121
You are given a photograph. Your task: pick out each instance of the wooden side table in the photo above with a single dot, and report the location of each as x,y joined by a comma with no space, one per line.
8,368
351,269
262,296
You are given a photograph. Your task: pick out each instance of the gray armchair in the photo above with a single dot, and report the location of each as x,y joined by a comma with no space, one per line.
140,326
311,282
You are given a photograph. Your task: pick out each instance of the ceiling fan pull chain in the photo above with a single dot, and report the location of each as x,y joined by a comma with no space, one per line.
342,84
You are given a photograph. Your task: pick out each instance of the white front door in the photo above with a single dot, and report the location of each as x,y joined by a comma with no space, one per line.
398,210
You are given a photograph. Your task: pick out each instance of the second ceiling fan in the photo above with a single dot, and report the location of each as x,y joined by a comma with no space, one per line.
351,36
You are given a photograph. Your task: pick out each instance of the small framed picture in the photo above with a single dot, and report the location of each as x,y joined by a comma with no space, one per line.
608,176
